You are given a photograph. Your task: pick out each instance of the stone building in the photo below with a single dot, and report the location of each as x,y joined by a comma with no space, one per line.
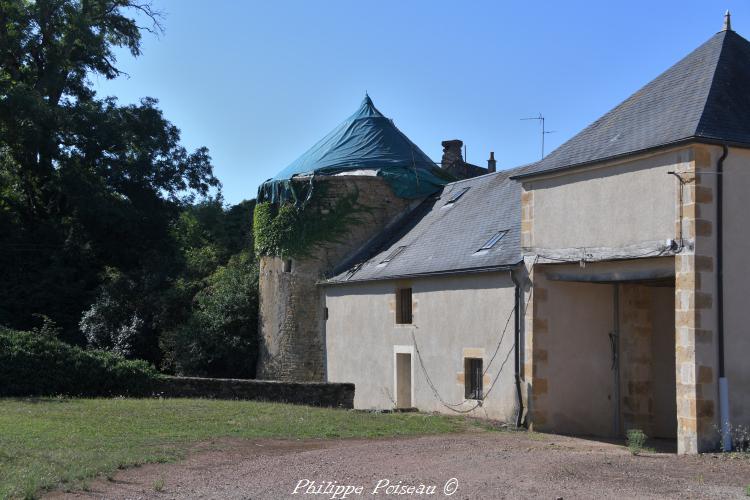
315,215
598,290
635,238
430,317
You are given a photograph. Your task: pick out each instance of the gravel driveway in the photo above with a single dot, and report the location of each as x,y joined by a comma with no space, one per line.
484,465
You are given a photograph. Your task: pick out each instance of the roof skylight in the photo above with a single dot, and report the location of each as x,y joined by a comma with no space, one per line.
393,255
493,241
458,194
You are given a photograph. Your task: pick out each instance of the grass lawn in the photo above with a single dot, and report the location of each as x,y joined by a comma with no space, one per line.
46,443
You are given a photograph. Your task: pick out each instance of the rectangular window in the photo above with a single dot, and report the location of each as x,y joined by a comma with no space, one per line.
456,195
393,255
493,241
473,378
403,306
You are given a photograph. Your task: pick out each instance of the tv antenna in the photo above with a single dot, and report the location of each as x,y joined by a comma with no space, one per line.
540,119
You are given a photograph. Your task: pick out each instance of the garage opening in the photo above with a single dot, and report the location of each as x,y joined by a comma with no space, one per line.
610,353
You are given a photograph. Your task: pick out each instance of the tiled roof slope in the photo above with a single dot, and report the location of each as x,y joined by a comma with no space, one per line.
442,237
705,96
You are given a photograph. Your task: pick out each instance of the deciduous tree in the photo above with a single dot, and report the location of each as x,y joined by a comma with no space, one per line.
86,184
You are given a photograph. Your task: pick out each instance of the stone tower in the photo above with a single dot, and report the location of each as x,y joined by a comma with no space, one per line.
314,216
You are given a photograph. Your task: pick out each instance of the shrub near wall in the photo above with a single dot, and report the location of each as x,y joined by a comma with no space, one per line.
32,364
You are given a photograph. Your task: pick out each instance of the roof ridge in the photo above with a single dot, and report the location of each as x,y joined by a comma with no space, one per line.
712,86
475,178
697,97
648,84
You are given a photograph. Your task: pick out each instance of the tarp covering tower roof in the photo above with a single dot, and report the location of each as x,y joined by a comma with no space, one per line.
367,140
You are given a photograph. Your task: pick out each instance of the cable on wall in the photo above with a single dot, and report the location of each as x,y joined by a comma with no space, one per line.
455,406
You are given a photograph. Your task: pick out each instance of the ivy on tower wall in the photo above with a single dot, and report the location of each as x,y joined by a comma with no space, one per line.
289,230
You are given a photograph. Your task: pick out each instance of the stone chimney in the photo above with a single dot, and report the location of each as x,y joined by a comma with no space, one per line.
491,163
451,153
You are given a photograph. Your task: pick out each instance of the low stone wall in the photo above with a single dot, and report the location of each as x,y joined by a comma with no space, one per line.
304,393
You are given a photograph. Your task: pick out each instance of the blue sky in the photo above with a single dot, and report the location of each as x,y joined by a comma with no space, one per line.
259,82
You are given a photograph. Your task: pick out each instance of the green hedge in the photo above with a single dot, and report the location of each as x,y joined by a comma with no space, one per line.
32,364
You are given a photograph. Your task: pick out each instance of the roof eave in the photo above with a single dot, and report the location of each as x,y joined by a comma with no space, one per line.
695,139
450,272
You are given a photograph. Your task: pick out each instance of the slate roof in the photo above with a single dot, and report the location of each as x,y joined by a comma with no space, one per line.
441,237
704,97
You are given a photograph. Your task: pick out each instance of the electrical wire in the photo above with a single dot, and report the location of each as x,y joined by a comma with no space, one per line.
451,406
523,315
588,258
454,406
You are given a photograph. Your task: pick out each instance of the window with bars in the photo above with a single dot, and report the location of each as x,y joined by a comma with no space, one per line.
473,375
403,306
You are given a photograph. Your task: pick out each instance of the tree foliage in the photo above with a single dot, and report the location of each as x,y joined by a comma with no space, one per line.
220,337
98,216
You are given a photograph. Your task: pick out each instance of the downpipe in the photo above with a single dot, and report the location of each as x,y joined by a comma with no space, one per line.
517,349
726,433
614,341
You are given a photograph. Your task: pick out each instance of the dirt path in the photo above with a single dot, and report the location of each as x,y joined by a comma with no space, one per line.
486,465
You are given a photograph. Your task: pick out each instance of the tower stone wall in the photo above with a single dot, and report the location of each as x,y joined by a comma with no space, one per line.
292,308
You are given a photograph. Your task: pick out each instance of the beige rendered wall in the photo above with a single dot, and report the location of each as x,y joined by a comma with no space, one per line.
613,205
453,317
737,283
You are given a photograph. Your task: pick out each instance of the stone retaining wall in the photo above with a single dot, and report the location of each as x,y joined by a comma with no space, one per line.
305,393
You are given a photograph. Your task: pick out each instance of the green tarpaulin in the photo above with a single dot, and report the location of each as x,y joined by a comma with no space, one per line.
365,140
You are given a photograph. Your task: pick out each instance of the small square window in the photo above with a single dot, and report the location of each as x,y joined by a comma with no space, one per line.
473,375
403,306
493,241
287,266
393,254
